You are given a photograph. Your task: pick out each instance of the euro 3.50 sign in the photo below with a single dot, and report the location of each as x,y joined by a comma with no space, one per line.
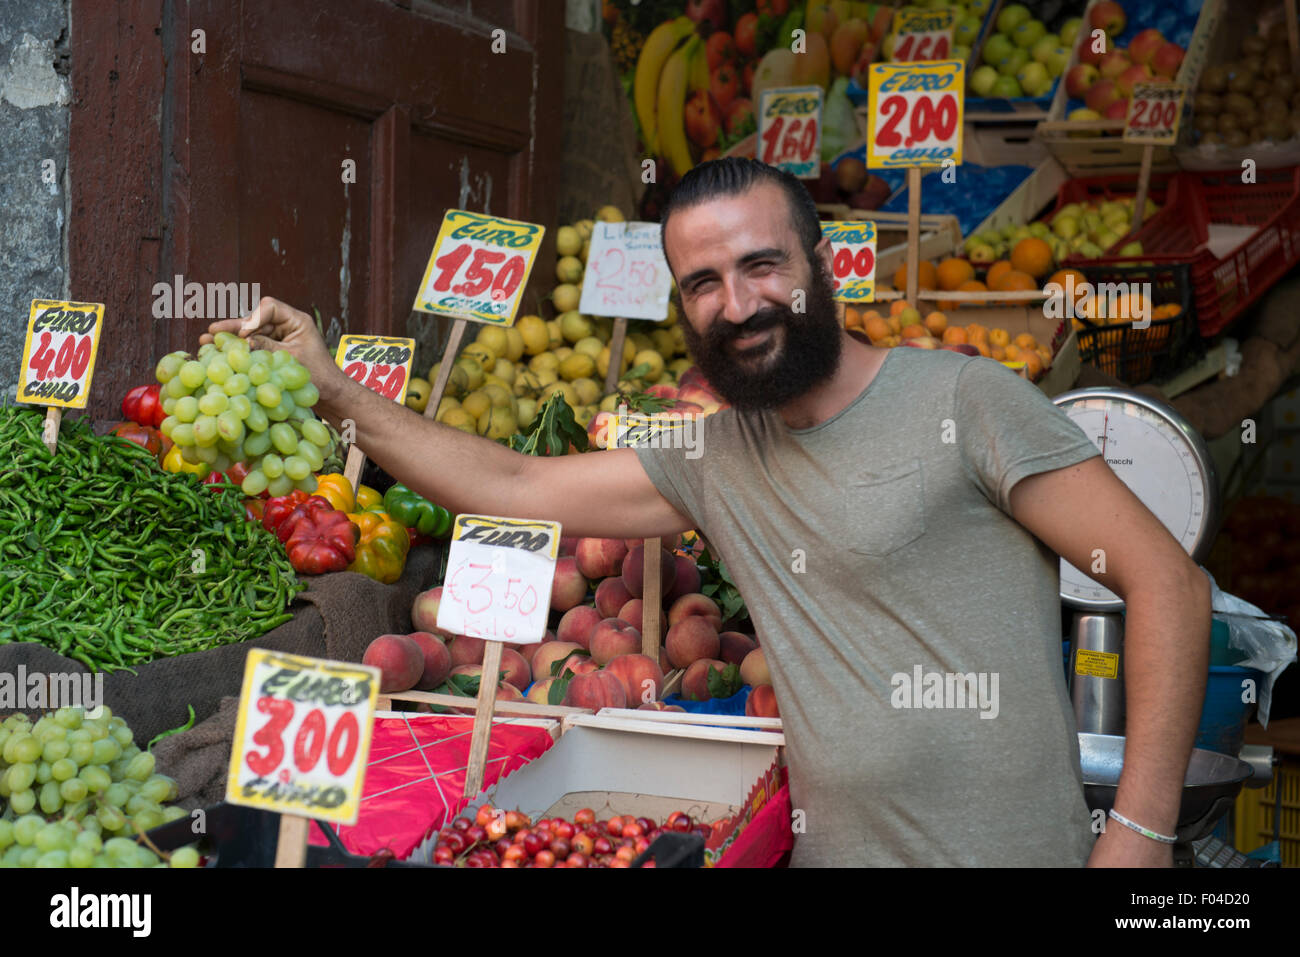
916,114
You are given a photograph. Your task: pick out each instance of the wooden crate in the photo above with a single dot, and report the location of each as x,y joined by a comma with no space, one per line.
1029,200
1002,144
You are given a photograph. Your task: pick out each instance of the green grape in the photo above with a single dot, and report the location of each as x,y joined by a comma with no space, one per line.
28,751
159,789
147,819
168,405
311,454
283,438
56,748
122,735
168,424
105,714
206,454
185,857
88,838
314,431
258,373
254,483
168,366
205,431
65,768
50,799
296,468
106,751
214,403
81,857
96,728
44,772
26,827
110,818
307,396
206,351
140,802
280,358
280,486
191,374
80,751
241,406
282,411
79,734
272,465
295,375
183,435
237,384
29,857
96,778
10,750
117,794
257,443
21,776
230,426
145,857
237,357
51,838
219,370
173,813
141,767
74,790
23,802
187,408
6,833
268,395
276,379
224,340
175,388
222,463
120,846
257,420
52,859
307,485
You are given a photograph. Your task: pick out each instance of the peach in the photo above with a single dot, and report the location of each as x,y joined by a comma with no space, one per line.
686,581
643,680
578,665
662,391
659,706
753,670
634,614
466,650
518,673
664,664
539,693
549,652
611,595
600,557
634,566
529,650
568,545
569,588
695,683
424,612
761,703
695,605
690,640
735,646
597,690
437,660
399,659
613,637
577,624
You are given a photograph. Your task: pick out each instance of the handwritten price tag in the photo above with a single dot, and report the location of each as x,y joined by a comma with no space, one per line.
1153,114
380,363
916,111
662,430
922,35
59,352
626,272
790,130
499,575
479,267
302,736
853,248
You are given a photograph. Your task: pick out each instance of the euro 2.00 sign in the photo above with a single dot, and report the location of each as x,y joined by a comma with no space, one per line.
478,267
916,114
790,130
853,263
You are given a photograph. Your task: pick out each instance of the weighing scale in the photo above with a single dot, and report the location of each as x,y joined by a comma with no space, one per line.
1168,467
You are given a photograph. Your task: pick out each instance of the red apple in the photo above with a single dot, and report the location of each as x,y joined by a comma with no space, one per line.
747,34
1102,95
720,49
1131,77
1142,48
1109,16
1080,80
1117,110
1113,64
702,120
1091,51
1167,60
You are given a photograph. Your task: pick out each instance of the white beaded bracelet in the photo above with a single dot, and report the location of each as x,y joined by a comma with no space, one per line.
1142,830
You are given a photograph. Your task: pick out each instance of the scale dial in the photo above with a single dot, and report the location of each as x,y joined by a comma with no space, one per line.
1160,458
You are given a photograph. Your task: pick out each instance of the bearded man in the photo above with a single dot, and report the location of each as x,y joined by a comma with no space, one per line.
893,519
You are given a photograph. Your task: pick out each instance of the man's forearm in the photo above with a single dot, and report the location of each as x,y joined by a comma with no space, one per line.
1166,654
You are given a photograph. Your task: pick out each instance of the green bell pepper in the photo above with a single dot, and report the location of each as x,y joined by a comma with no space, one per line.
416,512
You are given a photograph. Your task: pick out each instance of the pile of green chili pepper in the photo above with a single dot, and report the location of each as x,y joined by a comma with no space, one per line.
109,560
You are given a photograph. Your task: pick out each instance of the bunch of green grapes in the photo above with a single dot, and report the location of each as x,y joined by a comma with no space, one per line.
236,404
75,792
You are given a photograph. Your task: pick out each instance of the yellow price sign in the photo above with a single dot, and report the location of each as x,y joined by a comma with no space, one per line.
853,263
916,114
922,35
479,267
380,363
1153,114
59,352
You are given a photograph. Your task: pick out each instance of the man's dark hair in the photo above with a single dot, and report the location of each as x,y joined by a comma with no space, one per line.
732,175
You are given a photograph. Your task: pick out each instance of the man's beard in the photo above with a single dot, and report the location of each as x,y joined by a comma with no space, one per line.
810,347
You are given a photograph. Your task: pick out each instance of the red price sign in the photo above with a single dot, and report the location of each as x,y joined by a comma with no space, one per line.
626,272
59,352
916,111
1153,114
789,130
922,35
499,575
380,363
302,737
478,267
853,259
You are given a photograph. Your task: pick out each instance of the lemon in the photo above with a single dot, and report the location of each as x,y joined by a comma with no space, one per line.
640,340
568,241
473,372
575,326
504,369
564,388
602,360
610,214
562,353
631,385
610,402
583,227
496,380
678,366
555,337
497,424
544,362
527,412
500,396
476,403
590,345
546,378
566,297
482,354
527,383
584,414
664,342
514,344
679,341
577,366
652,359
588,390
445,406
569,270
532,330
492,337
459,419
672,315
586,250
417,394
604,329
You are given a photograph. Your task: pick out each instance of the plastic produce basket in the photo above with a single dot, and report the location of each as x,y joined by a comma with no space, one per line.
1257,808
1224,287
1162,349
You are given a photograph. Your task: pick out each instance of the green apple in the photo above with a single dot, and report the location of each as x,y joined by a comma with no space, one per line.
1078,242
1091,251
1106,238
1092,222
982,254
1057,60
1070,30
1043,48
1034,79
991,237
1012,15
1009,230
1040,230
1028,33
1070,209
996,47
982,80
1021,232
1013,62
959,52
967,31
979,7
1131,249
1066,227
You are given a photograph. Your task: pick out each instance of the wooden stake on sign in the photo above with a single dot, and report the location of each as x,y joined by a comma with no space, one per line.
913,233
615,370
291,849
444,370
53,418
652,600
482,736
1144,184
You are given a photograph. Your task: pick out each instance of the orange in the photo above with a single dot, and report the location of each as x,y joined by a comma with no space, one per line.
1045,355
928,276
936,322
999,337
852,318
876,329
898,305
983,347
914,331
1063,277
1032,256
973,285
998,353
1013,280
976,333
953,272
995,272
954,336
895,325
1014,353
1033,365
1026,341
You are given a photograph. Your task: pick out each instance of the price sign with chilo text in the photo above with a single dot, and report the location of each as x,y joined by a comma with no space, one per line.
626,272
479,267
499,575
1153,114
853,250
302,737
59,352
916,113
922,35
790,130
380,363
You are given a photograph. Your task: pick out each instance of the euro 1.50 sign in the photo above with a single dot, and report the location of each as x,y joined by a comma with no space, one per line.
916,114
790,130
478,267
1153,114
853,259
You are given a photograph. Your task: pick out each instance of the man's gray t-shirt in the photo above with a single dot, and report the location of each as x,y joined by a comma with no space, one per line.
876,549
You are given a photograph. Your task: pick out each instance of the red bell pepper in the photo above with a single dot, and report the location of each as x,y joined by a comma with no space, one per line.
235,474
321,540
144,436
143,405
278,509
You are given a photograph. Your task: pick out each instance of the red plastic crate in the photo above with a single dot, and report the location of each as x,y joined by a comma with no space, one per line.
1225,287
1090,189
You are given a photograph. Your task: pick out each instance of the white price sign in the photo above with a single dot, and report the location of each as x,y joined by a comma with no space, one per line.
59,352
916,114
627,275
853,251
499,575
1153,114
302,737
790,130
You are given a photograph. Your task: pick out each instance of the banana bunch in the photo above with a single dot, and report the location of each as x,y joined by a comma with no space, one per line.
671,66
